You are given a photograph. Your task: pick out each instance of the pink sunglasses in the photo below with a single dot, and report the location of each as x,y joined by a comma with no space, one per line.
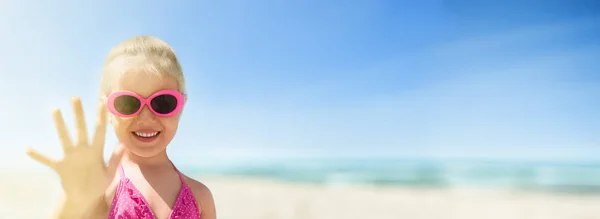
128,104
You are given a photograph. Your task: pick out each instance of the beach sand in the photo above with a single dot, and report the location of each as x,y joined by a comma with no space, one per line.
24,196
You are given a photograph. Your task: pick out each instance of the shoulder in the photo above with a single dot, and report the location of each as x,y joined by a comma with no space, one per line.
204,197
200,190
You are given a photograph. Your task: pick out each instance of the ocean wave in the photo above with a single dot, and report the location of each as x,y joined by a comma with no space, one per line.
527,176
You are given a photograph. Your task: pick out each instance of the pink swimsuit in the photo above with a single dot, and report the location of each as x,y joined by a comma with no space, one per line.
129,203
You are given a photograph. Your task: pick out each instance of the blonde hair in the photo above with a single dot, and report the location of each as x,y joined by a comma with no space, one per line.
145,53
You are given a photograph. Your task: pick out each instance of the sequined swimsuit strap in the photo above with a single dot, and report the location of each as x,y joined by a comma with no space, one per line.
115,202
121,171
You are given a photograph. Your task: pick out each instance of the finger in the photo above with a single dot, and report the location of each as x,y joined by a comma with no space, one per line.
63,134
100,132
82,138
115,160
37,156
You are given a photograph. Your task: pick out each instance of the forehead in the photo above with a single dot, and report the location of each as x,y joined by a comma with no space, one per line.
145,83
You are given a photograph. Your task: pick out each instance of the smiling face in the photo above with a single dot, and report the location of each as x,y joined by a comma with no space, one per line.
145,134
143,65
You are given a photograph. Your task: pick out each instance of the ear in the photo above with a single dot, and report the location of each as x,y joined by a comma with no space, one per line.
185,99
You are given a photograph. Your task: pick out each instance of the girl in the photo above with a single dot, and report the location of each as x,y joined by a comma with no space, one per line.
143,90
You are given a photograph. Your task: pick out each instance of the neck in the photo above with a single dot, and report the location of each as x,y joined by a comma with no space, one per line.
157,161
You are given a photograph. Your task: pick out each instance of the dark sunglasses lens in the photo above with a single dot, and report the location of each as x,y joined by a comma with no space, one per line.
127,105
164,104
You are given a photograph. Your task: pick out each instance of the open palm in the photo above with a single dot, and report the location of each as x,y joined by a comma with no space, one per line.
82,170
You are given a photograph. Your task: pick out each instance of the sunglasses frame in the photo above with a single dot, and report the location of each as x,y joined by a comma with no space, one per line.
144,102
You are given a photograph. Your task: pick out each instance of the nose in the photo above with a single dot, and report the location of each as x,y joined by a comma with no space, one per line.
146,115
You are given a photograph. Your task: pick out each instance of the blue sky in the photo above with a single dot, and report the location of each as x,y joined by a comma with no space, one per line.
311,78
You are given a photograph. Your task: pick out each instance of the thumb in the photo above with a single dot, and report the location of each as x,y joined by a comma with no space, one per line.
115,160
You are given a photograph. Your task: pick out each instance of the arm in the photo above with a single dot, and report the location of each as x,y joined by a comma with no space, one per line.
206,203
73,210
67,210
100,210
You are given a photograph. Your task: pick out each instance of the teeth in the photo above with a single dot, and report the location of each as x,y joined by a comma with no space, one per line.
146,135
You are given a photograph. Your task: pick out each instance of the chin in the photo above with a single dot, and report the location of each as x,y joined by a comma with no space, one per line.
145,151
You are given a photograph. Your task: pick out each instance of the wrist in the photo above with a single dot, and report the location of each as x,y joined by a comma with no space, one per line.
73,209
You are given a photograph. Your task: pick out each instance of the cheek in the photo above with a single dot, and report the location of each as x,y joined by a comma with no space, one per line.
170,123
120,124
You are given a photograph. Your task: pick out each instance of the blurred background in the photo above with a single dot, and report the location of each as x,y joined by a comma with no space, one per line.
333,109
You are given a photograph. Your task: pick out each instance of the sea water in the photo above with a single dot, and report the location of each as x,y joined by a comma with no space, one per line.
571,177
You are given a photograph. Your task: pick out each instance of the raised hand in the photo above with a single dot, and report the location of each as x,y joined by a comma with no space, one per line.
82,170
